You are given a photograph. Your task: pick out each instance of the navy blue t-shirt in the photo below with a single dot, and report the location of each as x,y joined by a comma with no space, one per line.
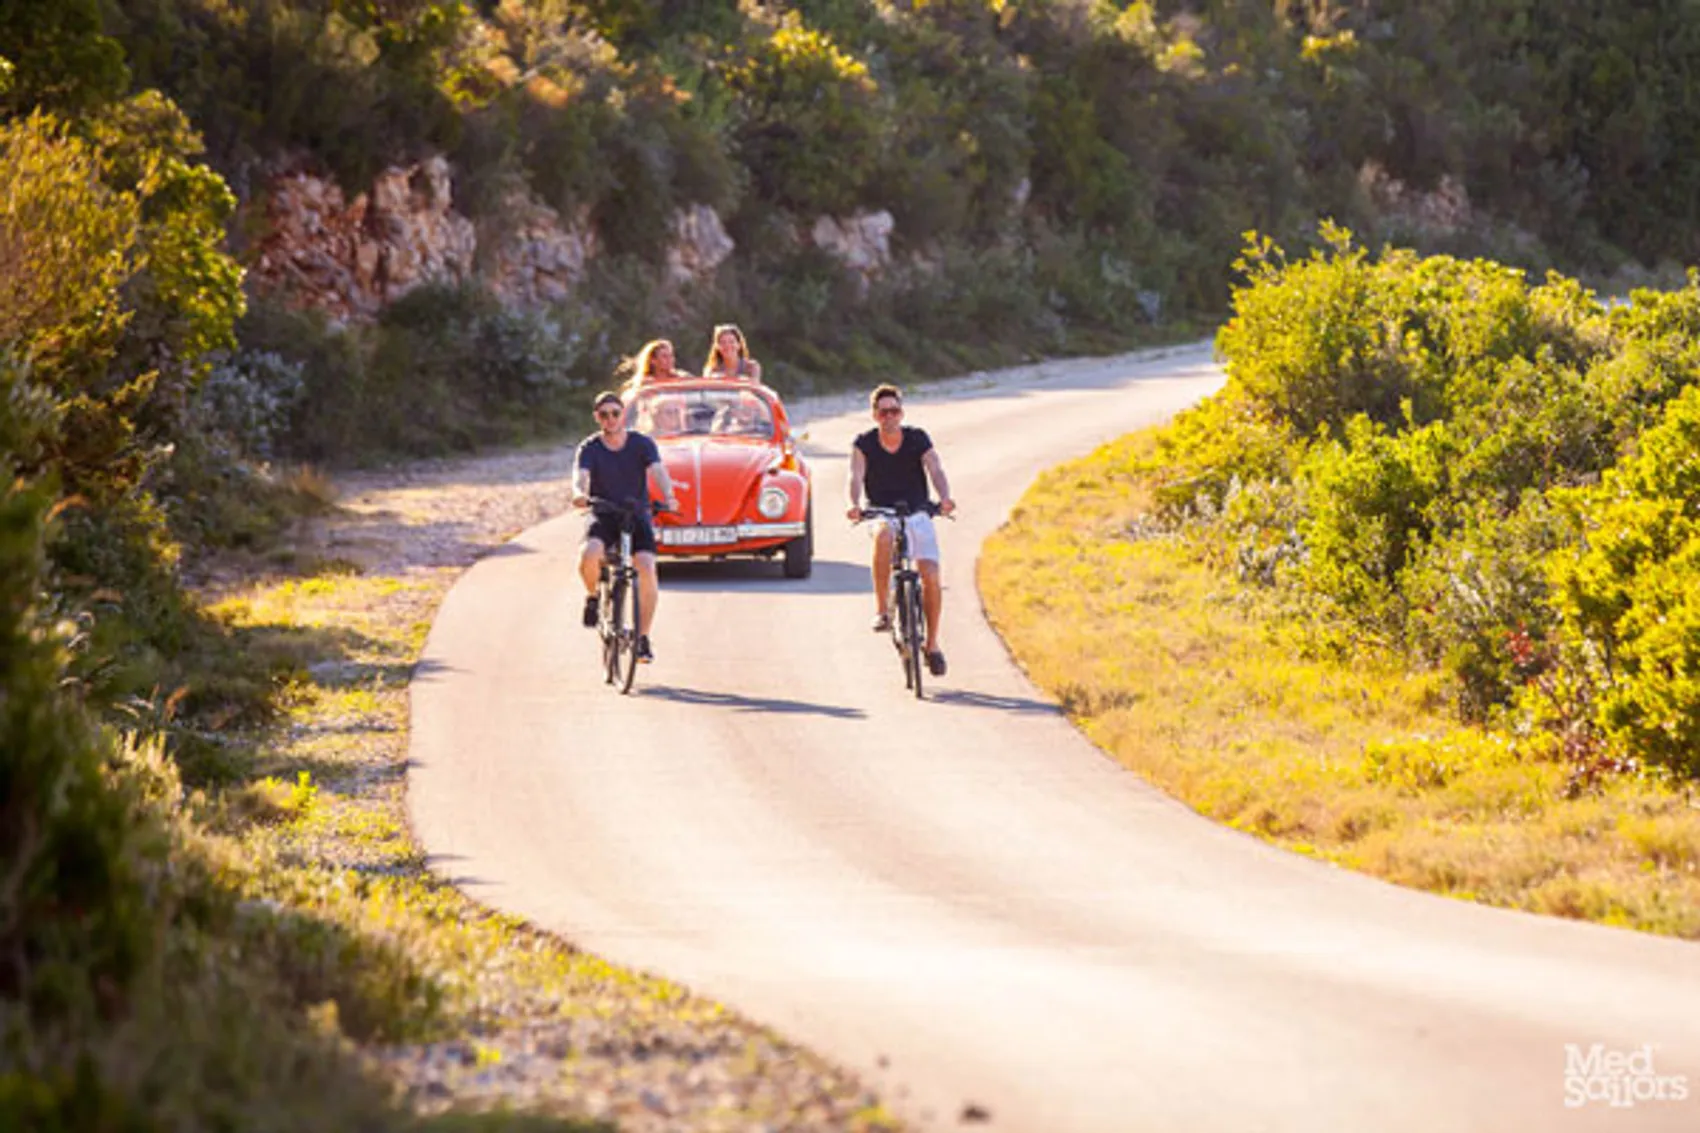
618,476
896,477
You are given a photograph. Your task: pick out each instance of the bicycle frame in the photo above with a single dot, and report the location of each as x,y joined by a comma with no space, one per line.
908,610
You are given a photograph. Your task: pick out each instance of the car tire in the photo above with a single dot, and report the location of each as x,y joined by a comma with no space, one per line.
800,552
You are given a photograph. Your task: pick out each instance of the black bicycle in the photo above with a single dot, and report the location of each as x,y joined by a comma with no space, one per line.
908,613
618,601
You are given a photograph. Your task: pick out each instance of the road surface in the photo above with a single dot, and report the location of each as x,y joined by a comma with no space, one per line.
962,898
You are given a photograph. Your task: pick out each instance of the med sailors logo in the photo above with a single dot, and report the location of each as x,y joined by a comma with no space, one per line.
1622,1079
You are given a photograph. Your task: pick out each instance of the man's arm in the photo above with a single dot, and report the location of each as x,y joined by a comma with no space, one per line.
935,472
853,487
581,481
663,483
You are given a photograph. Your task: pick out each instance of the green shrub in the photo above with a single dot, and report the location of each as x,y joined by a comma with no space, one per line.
1367,499
1210,448
67,243
810,125
79,908
1629,593
1480,603
1316,341
248,399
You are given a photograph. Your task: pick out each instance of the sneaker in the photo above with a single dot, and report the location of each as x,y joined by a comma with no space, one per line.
935,662
591,612
882,623
643,653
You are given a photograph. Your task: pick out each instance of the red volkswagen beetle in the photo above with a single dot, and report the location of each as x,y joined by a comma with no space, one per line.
743,488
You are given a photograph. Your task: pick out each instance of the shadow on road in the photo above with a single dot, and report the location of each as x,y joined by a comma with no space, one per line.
962,698
829,577
738,703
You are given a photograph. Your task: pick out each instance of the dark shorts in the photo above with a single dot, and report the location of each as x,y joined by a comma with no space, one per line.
607,530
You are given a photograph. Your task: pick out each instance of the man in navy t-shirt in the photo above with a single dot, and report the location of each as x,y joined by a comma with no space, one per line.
892,464
618,464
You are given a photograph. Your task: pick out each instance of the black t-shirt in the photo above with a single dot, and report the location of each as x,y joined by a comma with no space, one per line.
896,477
619,476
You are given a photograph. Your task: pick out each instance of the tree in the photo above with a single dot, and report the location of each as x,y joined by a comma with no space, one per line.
67,241
59,60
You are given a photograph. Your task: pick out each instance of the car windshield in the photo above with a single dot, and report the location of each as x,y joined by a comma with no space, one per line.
701,412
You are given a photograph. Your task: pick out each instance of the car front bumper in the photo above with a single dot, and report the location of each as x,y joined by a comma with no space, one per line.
712,537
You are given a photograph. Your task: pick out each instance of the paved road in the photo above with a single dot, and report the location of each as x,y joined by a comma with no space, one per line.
962,898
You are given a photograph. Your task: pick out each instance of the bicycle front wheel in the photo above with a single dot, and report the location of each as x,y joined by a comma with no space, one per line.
620,646
606,628
915,632
628,634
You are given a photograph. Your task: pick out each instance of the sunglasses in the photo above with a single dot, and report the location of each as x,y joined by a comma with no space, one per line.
889,410
610,414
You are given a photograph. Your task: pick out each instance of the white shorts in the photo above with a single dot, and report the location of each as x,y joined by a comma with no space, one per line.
923,537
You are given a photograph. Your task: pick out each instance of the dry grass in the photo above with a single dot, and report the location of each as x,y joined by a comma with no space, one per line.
1195,684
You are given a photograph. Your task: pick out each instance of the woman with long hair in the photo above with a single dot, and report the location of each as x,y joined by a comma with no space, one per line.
729,356
654,363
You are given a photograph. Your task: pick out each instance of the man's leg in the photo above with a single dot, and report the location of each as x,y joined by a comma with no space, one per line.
883,541
932,600
649,590
590,564
589,567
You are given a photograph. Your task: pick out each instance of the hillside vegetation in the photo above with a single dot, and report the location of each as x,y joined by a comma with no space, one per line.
1435,455
1417,591
1066,176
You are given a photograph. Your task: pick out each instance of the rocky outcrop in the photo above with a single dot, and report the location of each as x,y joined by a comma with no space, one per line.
862,241
700,245
350,258
536,259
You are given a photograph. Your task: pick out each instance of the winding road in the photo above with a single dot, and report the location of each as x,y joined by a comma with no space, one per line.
962,898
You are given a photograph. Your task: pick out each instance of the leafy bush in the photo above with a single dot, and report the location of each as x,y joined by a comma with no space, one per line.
84,864
249,398
1214,446
810,126
452,367
67,241
1480,603
1465,520
1367,500
1629,594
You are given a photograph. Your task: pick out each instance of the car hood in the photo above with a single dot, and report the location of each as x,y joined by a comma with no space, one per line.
713,478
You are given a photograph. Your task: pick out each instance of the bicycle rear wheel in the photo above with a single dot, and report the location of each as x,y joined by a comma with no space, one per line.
628,634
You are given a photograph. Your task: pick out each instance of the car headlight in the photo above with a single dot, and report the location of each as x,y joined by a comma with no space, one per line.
773,502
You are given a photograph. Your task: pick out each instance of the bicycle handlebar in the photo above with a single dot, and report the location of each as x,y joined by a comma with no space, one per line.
626,507
873,512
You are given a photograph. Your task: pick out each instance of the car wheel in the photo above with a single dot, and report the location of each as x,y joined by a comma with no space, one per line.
800,552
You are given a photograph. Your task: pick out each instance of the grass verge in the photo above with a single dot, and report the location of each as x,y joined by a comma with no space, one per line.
1201,688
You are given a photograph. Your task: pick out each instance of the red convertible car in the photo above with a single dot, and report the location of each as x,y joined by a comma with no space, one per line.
743,488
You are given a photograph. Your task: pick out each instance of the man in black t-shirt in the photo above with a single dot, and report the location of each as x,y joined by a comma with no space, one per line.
618,464
891,464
